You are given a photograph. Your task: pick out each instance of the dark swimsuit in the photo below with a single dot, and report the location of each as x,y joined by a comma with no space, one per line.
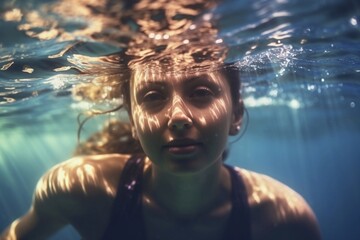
126,222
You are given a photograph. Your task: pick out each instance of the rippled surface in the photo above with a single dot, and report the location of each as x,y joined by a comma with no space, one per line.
47,48
300,66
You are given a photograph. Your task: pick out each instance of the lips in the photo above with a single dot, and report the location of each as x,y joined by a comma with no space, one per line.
182,146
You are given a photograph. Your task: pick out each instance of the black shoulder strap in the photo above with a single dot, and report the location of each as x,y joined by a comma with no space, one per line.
239,225
126,221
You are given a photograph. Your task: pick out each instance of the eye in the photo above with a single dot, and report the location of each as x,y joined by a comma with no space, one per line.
202,92
153,96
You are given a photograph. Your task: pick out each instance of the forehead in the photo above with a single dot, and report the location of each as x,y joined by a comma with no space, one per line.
145,76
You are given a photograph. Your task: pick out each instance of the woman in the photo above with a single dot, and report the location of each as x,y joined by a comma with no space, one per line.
183,103
182,122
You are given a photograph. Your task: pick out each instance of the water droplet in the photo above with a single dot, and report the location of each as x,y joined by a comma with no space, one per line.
207,17
186,41
353,21
282,71
352,104
294,104
219,40
311,87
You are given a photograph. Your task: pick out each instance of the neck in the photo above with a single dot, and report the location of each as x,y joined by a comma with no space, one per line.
188,196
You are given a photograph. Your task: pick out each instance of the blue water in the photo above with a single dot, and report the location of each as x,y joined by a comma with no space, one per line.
300,65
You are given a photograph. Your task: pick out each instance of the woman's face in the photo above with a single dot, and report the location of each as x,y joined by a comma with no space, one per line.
181,120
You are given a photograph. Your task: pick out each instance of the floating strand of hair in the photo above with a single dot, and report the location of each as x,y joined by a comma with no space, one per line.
90,114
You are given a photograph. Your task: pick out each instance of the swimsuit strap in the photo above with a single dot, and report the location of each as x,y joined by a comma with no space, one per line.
126,221
239,224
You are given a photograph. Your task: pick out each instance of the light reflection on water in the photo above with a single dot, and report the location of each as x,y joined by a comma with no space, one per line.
76,35
299,63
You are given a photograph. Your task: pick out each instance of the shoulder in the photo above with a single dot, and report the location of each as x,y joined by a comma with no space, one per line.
80,177
78,191
277,211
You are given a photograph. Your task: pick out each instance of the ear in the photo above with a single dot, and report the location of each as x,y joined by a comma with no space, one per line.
237,117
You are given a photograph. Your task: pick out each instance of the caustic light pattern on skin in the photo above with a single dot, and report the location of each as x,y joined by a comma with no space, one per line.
178,105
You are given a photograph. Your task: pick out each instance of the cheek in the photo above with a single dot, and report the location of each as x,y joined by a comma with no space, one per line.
215,114
143,121
148,131
215,121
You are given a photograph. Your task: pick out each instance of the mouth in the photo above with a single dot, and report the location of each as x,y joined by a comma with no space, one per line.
182,146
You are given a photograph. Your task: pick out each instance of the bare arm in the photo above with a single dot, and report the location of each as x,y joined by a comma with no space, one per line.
45,216
35,224
42,219
77,192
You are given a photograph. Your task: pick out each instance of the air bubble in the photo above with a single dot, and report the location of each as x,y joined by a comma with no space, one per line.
353,21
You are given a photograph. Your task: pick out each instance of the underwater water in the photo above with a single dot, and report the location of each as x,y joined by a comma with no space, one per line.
299,62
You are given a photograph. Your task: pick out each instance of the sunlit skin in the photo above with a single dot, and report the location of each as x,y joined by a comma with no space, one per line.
178,112
182,122
187,189
181,118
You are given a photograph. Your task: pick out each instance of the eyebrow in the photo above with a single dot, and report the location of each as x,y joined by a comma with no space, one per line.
187,80
204,79
149,83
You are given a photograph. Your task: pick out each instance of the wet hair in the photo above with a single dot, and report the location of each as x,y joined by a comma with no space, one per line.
116,136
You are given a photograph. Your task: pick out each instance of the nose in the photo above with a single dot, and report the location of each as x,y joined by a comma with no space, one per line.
179,117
